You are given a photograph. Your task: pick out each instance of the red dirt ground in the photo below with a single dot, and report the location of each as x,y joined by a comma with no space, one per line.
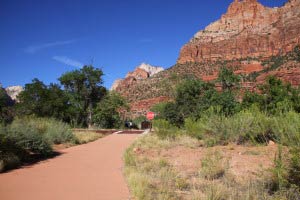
84,172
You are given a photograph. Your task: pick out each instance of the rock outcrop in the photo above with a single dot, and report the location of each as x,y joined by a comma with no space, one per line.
141,72
248,29
115,84
253,40
151,70
14,91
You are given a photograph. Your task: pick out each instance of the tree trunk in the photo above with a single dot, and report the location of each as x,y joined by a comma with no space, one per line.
90,110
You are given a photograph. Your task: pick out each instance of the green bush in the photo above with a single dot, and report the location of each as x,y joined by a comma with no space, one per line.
164,129
294,168
249,125
279,172
10,153
213,165
28,136
57,132
51,130
193,128
286,127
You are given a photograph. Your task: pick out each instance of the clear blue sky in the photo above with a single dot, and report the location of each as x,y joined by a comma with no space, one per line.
45,38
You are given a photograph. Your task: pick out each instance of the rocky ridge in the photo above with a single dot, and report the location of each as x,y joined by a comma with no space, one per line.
14,91
253,40
143,71
248,29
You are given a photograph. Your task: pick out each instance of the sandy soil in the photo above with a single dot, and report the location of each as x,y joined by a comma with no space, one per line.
85,172
244,162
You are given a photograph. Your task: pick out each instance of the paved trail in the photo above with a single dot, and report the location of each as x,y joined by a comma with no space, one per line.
87,172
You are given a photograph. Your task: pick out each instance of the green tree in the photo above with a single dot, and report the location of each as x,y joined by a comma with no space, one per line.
43,101
33,99
193,96
84,87
228,79
275,96
227,103
107,112
251,98
187,96
172,114
278,94
6,107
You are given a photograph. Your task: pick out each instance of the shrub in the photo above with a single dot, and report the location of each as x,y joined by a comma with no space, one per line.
287,128
245,126
51,130
294,168
10,153
83,137
106,114
36,135
28,137
164,129
193,128
213,165
279,172
57,132
251,125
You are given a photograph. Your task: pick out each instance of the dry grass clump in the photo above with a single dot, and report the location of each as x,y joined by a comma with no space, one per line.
83,137
213,165
152,178
156,169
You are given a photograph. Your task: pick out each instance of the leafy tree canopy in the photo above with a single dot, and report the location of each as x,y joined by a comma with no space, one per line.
84,87
228,79
107,111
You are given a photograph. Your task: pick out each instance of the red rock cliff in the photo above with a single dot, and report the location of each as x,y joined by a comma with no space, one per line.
248,29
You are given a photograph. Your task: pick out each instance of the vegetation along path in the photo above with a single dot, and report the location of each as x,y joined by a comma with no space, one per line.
90,171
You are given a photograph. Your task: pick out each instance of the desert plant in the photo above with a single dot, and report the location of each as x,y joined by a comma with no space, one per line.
164,129
286,127
51,130
279,172
82,137
294,168
193,128
10,153
213,165
57,132
216,192
27,136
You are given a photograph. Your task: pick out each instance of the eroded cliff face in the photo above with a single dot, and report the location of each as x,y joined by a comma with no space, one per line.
248,29
253,40
14,91
141,72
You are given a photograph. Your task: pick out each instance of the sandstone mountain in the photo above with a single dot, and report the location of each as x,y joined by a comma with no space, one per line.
143,71
14,91
253,40
248,29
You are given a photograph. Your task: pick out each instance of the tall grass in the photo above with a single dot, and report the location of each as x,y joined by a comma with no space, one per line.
246,126
83,137
53,131
164,129
152,178
29,136
26,137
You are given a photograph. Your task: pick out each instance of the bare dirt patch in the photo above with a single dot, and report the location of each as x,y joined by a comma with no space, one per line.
183,169
244,162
